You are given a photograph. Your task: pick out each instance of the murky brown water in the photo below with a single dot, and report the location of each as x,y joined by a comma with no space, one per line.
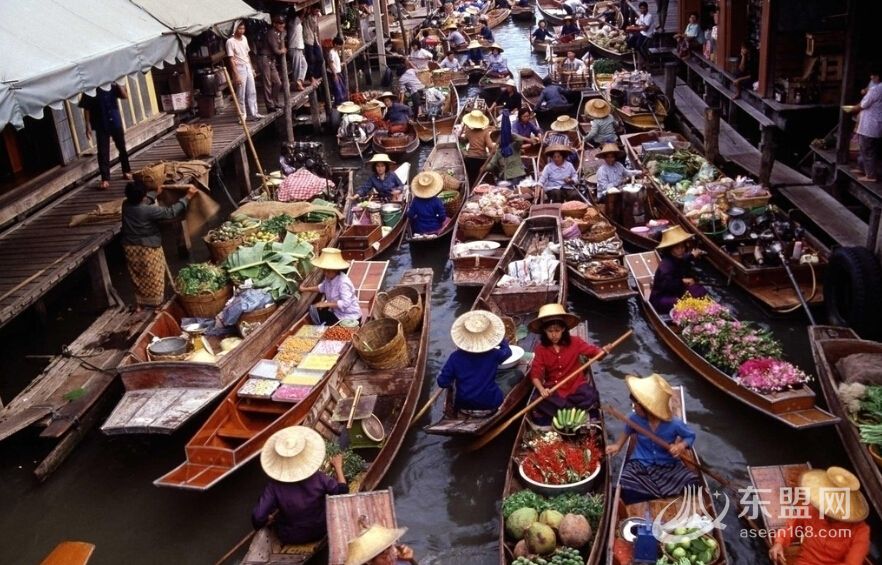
448,498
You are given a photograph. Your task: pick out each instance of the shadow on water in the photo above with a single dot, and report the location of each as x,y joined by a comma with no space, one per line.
446,496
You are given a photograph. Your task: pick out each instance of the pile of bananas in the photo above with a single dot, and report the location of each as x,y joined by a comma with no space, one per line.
570,419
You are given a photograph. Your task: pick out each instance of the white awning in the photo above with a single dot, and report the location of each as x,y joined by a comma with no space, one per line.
189,18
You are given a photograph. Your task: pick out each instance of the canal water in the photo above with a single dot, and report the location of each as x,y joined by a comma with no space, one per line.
448,498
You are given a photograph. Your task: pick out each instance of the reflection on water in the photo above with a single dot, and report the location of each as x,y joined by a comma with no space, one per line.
446,497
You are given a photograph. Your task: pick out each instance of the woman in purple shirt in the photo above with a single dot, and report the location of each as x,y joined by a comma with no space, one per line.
341,299
296,492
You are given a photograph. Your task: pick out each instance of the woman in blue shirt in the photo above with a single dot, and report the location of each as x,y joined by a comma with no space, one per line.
479,336
383,181
651,472
542,33
426,211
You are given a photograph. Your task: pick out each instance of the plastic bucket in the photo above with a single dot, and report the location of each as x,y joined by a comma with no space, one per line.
391,214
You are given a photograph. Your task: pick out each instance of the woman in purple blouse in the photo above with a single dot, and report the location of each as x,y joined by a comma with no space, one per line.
341,299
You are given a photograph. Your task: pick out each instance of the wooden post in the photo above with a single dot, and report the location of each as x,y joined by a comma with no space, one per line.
849,71
403,31
286,85
767,155
670,81
243,171
873,228
314,109
329,102
712,134
99,274
380,36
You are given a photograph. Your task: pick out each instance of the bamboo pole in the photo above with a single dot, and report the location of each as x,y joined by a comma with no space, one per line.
286,84
241,115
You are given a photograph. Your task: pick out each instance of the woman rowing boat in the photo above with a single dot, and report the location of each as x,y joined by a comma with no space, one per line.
652,472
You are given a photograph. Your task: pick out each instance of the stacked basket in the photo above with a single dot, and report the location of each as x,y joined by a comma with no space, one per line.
403,304
381,344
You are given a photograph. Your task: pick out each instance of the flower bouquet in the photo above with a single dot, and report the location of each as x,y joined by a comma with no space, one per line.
767,375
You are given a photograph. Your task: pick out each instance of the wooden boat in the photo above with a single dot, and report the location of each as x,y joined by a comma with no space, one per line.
519,303
238,428
607,13
363,242
350,146
700,501
70,553
523,13
397,144
397,392
551,12
530,85
601,485
490,85
446,157
579,44
829,345
439,76
794,408
640,119
428,128
602,51
768,284
494,17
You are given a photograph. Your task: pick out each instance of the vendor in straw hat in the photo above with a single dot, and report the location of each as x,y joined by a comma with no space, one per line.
292,458
479,336
506,163
476,133
376,546
383,181
603,124
476,54
674,276
426,210
340,300
396,114
611,173
509,97
570,27
497,64
559,176
556,357
836,518
651,472
351,122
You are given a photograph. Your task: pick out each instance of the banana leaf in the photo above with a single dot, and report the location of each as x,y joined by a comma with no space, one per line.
276,267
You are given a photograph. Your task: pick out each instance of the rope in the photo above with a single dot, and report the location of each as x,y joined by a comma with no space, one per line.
224,187
809,299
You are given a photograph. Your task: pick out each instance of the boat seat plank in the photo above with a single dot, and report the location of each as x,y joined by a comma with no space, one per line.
768,481
234,432
810,417
157,410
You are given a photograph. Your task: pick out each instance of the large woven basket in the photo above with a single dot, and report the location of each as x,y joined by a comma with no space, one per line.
451,200
220,250
511,329
153,176
509,229
403,304
195,139
250,320
476,231
450,181
381,344
442,77
599,235
206,305
575,211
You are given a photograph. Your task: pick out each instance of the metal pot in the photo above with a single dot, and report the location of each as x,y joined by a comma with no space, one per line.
168,347
207,81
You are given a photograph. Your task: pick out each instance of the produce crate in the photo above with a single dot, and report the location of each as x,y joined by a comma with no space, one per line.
179,102
359,236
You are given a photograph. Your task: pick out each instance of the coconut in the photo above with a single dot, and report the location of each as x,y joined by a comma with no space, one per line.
519,521
574,531
540,538
551,518
520,549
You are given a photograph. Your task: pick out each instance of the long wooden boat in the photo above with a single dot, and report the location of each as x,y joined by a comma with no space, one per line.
700,501
397,392
601,485
829,345
531,85
769,284
446,157
551,12
523,13
458,78
397,144
494,17
605,52
596,37
636,119
428,128
349,147
238,428
519,303
579,44
795,408
363,242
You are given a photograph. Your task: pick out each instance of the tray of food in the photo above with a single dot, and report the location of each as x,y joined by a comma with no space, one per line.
260,389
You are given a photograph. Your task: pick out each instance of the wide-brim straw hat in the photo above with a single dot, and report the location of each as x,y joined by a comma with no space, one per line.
293,454
564,123
331,259
385,94
472,10
381,158
553,313
476,119
427,184
673,236
349,107
598,108
497,46
372,542
653,393
610,149
558,148
836,493
451,25
477,331
474,44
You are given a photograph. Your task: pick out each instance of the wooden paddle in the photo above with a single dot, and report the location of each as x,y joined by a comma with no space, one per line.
487,438
426,407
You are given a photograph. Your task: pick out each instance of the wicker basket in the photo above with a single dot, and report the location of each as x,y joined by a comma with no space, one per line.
736,197
392,142
326,228
153,176
511,329
599,235
195,139
403,304
381,344
451,200
450,182
509,229
476,231
442,77
220,250
574,212
206,305
250,320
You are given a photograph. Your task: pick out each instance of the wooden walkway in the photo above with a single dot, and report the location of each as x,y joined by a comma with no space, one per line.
827,213
37,253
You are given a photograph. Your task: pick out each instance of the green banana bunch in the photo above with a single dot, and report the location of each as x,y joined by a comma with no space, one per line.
570,419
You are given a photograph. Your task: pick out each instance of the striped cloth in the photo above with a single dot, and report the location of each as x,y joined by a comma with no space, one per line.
641,482
147,268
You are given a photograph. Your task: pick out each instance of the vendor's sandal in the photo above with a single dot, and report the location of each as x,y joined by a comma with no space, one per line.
128,176
104,185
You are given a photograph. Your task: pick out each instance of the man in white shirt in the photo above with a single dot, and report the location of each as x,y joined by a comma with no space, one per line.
573,65
336,71
869,129
243,73
642,31
450,62
296,46
411,87
312,46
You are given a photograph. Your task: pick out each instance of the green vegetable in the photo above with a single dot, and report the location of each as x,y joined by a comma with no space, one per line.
277,224
523,499
871,434
871,404
276,267
353,463
200,278
606,66
589,505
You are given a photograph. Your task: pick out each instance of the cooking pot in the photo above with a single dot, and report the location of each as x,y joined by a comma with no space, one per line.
168,347
207,81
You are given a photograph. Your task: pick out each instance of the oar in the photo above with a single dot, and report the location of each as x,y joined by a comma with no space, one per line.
663,444
426,407
488,437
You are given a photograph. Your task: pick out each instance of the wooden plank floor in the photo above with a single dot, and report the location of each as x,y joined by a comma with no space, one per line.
40,251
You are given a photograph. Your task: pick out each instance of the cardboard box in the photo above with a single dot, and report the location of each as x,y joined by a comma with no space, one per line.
176,102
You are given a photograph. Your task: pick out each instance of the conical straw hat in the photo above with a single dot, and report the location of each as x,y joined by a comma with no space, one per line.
332,259
836,493
653,393
476,119
371,543
380,158
427,184
564,123
349,107
610,149
597,108
474,44
477,331
673,236
293,454
497,46
553,313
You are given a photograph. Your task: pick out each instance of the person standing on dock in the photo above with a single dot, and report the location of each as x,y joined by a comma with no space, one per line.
338,83
142,241
642,31
101,114
869,130
238,53
315,59
272,47
296,47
